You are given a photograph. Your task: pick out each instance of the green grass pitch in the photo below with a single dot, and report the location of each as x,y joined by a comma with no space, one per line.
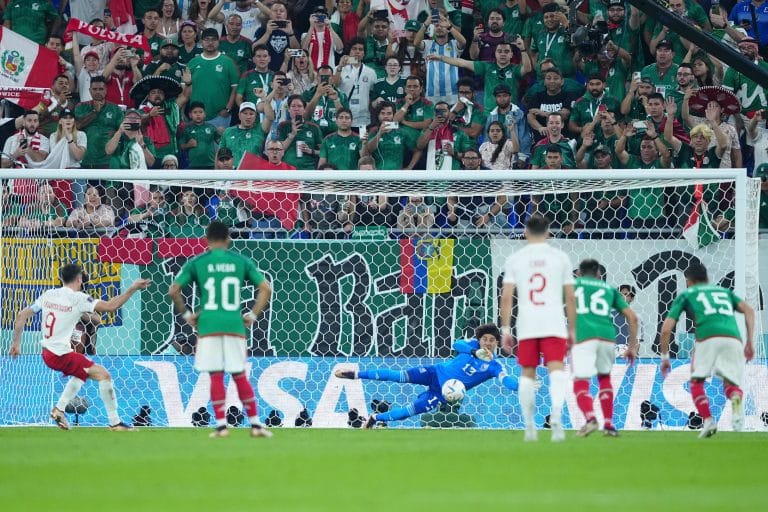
182,470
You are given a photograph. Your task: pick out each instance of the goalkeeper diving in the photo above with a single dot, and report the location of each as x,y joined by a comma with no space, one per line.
473,365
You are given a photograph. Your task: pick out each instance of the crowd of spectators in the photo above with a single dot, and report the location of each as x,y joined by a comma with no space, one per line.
366,84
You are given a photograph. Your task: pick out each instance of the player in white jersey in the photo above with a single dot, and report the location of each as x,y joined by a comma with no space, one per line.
62,309
543,278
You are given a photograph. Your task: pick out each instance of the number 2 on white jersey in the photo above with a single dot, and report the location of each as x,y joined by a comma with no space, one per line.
537,284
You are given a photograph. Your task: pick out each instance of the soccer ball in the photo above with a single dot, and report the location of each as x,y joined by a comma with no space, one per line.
620,349
453,391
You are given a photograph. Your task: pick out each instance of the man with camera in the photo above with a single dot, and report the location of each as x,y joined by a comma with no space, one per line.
121,73
128,147
444,144
281,88
484,43
28,144
321,42
277,35
442,78
323,100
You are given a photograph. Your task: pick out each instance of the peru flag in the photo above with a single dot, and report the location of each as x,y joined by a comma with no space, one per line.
26,69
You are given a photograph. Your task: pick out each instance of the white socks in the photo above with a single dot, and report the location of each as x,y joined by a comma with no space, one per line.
558,386
107,393
70,391
526,394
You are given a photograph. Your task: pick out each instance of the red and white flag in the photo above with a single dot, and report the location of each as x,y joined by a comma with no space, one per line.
26,69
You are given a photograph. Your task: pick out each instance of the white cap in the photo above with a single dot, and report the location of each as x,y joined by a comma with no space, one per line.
247,104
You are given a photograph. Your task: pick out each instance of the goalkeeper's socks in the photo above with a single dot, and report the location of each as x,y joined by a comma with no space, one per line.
107,393
605,394
583,398
218,398
700,399
399,413
527,397
558,386
387,375
70,391
247,397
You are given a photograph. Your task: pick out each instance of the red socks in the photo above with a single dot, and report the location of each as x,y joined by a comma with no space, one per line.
246,394
218,397
700,399
731,389
606,398
583,398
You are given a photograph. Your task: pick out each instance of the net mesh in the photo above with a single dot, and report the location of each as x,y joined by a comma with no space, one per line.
368,273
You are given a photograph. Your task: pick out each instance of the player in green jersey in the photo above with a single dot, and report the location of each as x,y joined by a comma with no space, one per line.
593,351
221,328
718,348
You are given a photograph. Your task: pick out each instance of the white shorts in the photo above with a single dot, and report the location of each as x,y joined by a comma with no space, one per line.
220,353
720,356
592,357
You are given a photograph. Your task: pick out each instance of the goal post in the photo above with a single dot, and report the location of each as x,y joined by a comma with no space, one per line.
369,269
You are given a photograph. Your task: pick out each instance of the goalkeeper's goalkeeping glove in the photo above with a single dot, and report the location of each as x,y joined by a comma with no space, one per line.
483,354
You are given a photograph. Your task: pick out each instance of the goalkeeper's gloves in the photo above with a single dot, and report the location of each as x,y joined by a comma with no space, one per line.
483,354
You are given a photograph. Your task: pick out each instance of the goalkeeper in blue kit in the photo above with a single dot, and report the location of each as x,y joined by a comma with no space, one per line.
473,365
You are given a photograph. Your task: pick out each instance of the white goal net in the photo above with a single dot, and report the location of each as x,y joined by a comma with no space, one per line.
369,270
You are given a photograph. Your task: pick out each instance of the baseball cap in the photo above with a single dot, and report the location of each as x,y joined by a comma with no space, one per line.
666,43
412,25
224,153
602,148
761,171
169,42
91,54
171,158
188,23
502,89
247,104
209,32
132,111
66,113
612,3
646,80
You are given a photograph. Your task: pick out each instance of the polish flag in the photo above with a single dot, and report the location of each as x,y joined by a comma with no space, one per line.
26,69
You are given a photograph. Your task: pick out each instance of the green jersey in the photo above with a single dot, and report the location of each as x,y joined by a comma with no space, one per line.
239,52
711,309
201,156
310,134
585,108
30,18
254,80
495,75
662,81
240,140
751,94
645,203
343,152
101,129
387,91
214,79
595,301
556,46
390,153
220,276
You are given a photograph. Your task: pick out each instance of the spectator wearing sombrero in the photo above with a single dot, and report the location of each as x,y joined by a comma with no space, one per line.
160,101
725,102
168,64
751,95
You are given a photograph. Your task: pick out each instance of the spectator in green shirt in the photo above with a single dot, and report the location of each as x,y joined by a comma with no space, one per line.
663,72
235,46
250,135
214,80
31,18
199,138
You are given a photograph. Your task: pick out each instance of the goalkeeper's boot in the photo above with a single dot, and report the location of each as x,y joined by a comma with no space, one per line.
121,427
259,430
588,428
610,431
531,434
221,431
709,429
737,405
345,374
60,418
558,434
370,423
